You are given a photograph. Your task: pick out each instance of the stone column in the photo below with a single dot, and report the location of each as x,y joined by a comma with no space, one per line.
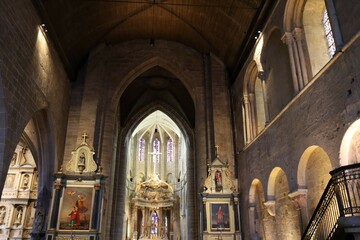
56,206
299,36
262,77
253,121
247,119
289,39
300,199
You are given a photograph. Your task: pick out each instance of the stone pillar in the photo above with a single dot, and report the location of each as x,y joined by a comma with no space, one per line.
247,119
289,40
262,77
55,210
300,199
299,37
253,121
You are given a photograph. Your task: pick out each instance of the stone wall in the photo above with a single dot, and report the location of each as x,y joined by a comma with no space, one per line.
319,115
32,79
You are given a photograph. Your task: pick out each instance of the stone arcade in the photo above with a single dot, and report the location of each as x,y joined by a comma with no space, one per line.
111,112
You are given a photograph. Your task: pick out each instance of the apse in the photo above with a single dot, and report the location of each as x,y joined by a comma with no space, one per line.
156,179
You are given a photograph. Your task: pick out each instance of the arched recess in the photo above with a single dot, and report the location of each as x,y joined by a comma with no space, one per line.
317,39
315,36
284,209
256,210
30,175
313,175
254,102
276,64
350,145
119,201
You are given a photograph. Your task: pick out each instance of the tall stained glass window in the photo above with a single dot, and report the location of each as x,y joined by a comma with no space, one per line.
170,150
329,34
156,150
141,150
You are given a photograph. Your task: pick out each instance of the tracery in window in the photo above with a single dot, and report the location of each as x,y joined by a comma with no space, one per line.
156,150
170,150
329,34
141,149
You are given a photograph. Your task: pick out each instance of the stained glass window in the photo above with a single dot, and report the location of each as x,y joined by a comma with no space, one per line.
170,150
156,150
154,223
141,150
329,34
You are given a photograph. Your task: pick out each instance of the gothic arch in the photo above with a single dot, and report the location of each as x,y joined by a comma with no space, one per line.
313,175
148,64
119,169
350,145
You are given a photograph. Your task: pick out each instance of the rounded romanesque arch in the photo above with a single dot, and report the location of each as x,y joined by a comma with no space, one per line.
313,175
256,210
278,78
350,145
283,208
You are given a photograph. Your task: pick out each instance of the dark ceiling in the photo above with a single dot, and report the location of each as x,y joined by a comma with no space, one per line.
225,28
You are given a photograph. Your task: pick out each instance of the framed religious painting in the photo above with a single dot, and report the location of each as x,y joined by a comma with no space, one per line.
220,217
76,208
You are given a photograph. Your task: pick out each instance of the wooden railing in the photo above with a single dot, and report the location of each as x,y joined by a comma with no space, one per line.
341,198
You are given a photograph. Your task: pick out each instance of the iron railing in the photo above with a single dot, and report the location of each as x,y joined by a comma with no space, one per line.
341,198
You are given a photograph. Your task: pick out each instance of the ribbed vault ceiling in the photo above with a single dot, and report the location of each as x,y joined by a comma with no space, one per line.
223,27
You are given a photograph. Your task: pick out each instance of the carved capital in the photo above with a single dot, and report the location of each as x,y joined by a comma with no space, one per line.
270,207
299,197
288,38
298,33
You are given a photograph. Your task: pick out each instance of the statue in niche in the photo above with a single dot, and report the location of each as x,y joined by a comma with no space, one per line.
25,184
13,159
2,215
81,161
218,181
18,216
23,152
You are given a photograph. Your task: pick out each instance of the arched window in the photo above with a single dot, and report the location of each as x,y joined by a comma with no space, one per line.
329,34
170,150
154,223
156,150
141,149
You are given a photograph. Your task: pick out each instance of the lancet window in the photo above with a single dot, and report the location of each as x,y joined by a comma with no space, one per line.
170,150
156,150
141,149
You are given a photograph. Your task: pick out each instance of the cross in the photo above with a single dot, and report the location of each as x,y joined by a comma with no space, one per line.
154,159
84,136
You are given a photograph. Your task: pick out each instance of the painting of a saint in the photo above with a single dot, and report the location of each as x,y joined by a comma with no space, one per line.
220,218
75,211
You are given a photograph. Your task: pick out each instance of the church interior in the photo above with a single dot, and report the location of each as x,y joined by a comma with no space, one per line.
179,119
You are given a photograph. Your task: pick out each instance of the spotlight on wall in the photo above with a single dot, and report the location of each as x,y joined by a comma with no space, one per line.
43,27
